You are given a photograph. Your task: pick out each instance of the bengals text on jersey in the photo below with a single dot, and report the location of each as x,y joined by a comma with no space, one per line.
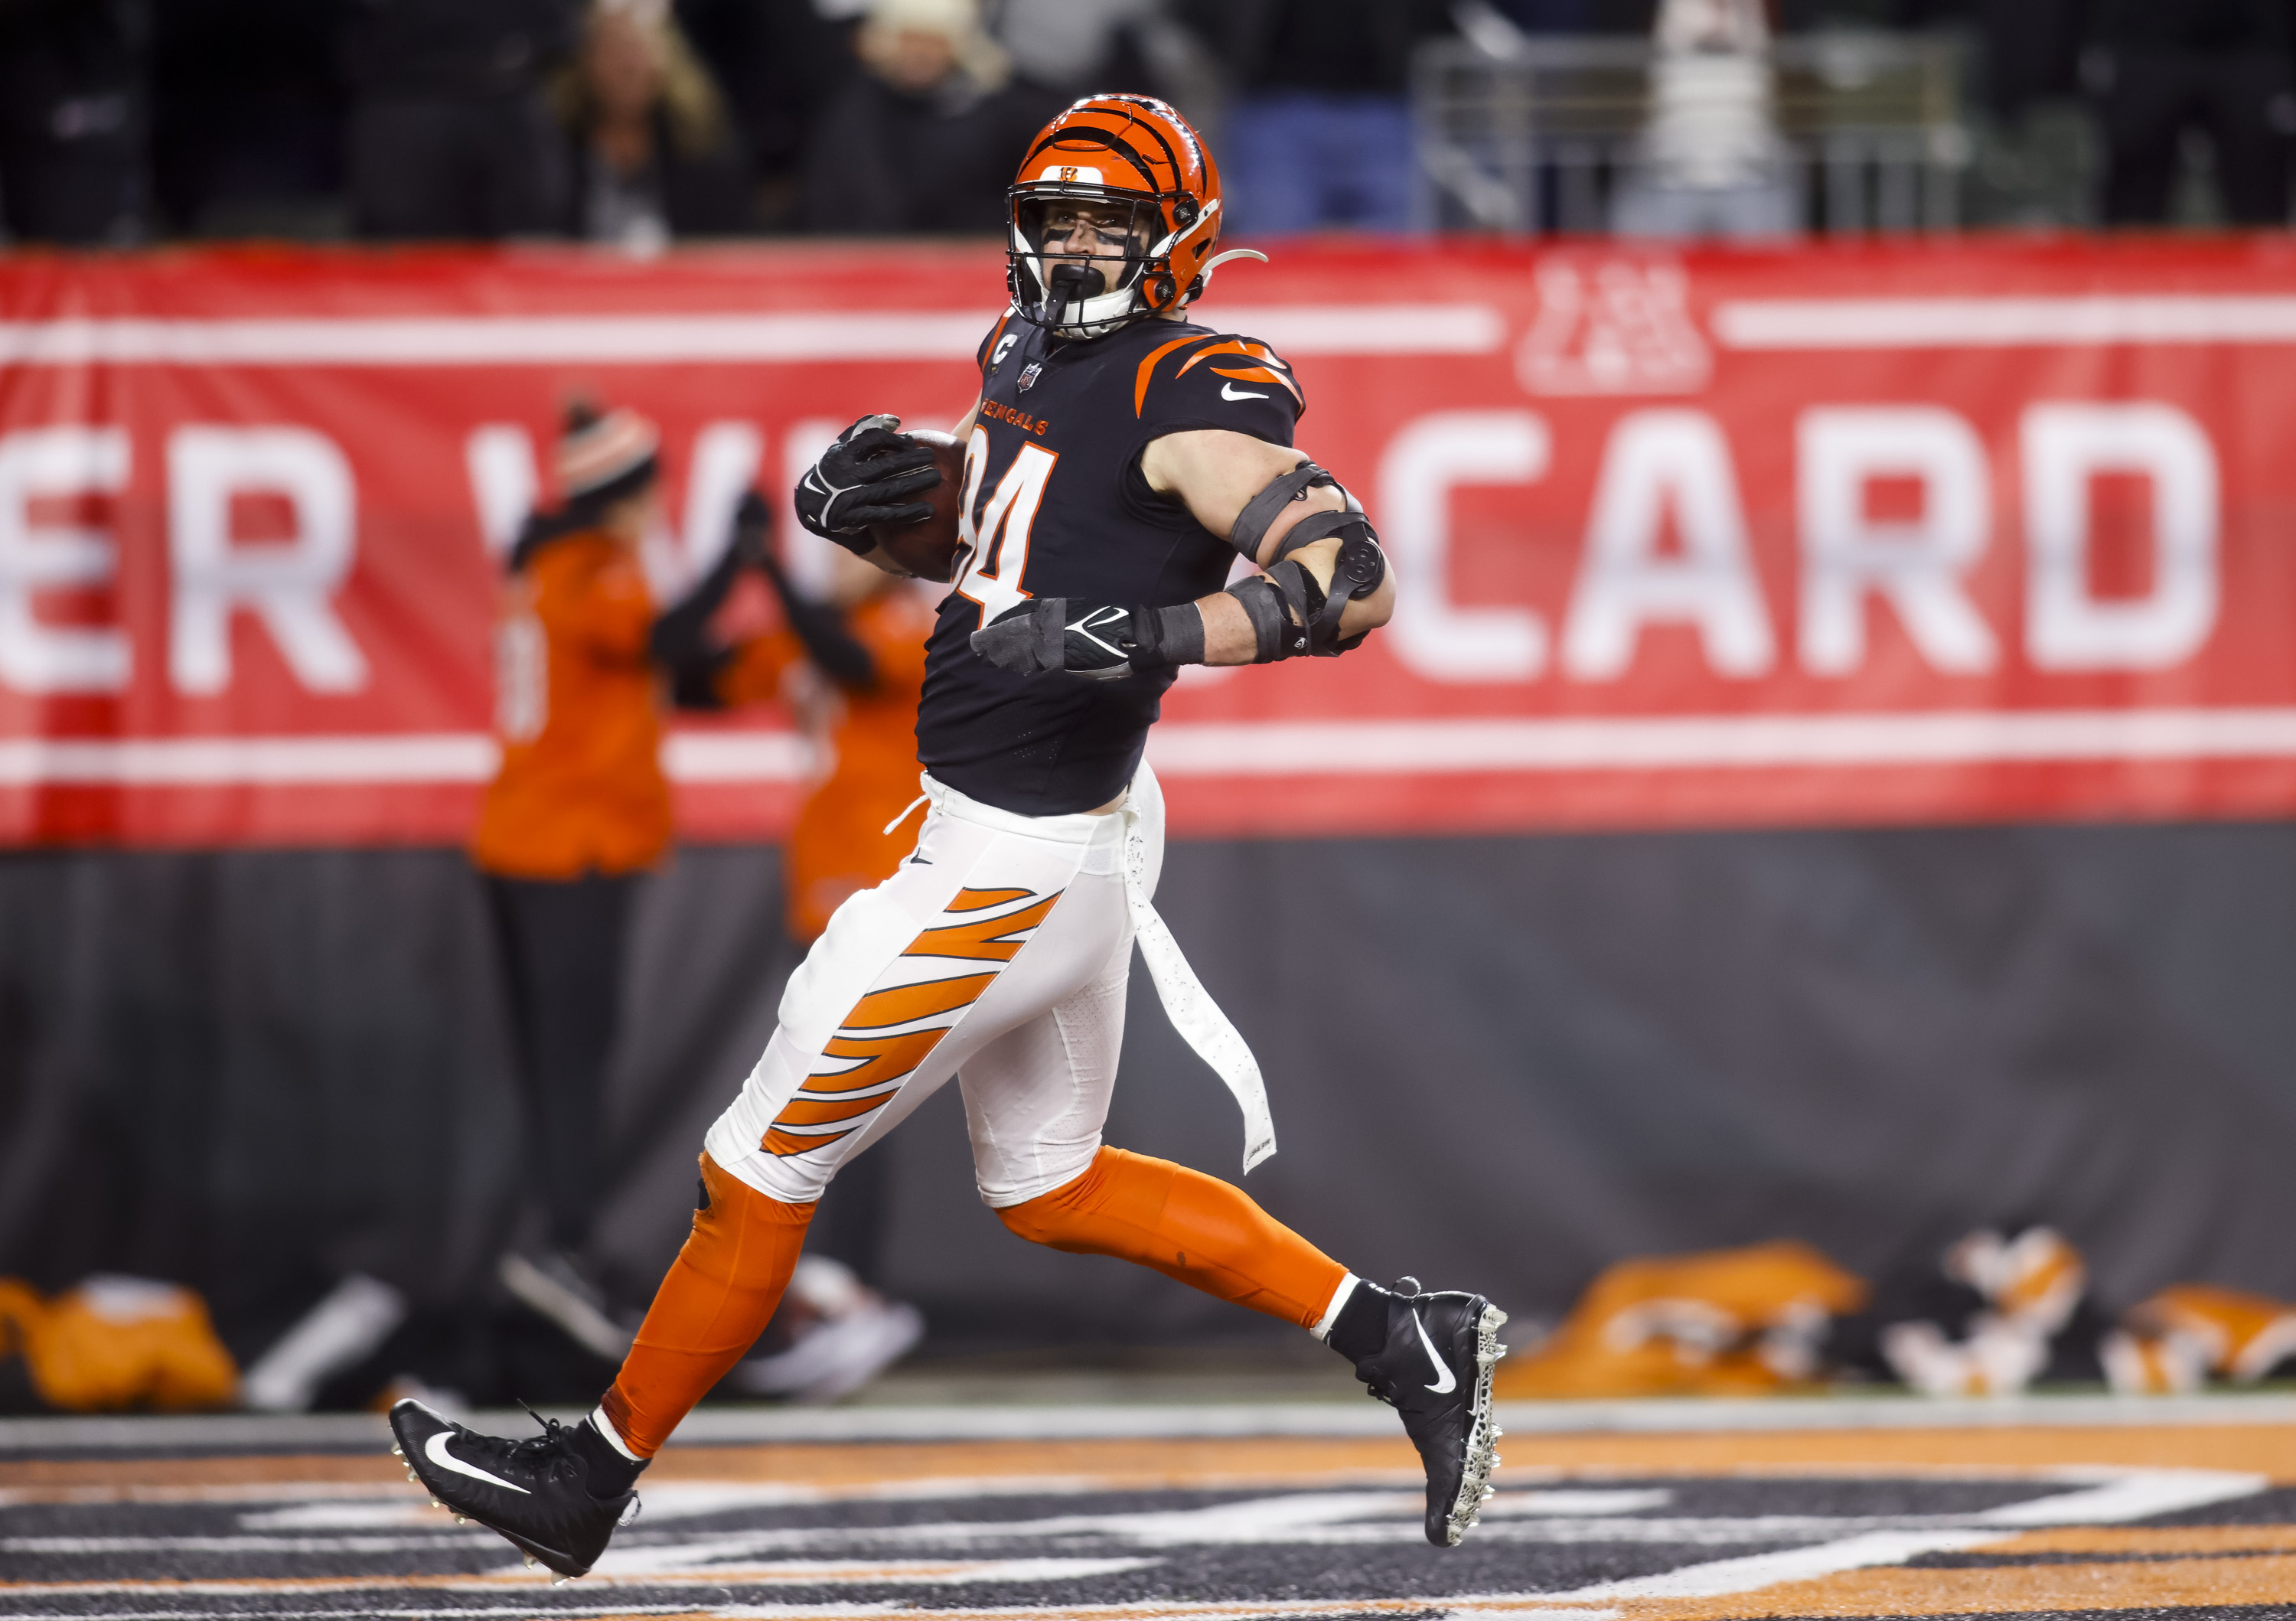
1055,505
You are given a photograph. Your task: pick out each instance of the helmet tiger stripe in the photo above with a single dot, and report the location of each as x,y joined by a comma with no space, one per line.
1129,151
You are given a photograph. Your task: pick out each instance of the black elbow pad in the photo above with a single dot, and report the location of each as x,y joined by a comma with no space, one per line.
1356,573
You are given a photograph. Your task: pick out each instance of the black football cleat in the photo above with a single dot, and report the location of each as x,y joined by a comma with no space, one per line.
1435,1370
534,1492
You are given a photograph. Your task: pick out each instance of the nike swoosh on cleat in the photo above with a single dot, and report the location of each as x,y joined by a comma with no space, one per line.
1228,390
1445,1381
435,1449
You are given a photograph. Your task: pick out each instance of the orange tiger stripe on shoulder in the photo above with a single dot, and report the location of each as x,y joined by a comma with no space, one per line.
1148,367
1234,345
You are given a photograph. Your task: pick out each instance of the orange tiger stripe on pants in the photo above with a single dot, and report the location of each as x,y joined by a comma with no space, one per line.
869,1065
962,960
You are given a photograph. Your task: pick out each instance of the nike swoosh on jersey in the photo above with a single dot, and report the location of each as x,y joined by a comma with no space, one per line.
435,1449
1445,1381
1228,390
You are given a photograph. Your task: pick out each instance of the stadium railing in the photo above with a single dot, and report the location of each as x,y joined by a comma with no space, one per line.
1537,139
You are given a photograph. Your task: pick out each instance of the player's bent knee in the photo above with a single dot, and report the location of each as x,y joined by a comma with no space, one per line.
1028,1222
729,1212
1052,1218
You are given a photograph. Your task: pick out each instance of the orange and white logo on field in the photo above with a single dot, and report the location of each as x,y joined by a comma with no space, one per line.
893,1030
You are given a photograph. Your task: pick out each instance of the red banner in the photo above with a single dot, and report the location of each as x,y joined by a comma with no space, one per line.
1971,531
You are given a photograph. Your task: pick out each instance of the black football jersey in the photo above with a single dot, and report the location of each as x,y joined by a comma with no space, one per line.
1056,505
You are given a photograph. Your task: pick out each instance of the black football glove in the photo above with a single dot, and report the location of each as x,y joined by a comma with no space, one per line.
1091,640
871,475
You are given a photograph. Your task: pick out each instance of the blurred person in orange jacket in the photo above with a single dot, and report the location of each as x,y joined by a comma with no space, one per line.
577,811
868,641
853,668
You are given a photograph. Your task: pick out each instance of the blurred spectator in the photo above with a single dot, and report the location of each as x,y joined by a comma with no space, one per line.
1802,16
579,810
1549,16
929,136
451,133
866,645
2031,49
2157,70
248,118
857,689
1712,161
1573,16
652,154
1319,133
74,123
1083,47
779,63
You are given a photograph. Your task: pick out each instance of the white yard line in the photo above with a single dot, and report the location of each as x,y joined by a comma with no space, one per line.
2122,1495
729,1426
1759,1570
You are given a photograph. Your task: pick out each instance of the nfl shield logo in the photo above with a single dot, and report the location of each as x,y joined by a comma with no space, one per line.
1028,375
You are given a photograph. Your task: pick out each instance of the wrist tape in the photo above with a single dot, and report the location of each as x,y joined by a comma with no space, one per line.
1162,638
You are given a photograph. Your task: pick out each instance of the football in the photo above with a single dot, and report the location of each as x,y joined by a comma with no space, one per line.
927,548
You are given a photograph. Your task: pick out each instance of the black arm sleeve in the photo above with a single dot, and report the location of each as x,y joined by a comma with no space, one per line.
822,629
693,681
678,635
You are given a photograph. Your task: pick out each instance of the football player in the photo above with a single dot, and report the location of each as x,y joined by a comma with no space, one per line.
1118,460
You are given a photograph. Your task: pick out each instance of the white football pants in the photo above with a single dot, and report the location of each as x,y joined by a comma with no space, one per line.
1000,949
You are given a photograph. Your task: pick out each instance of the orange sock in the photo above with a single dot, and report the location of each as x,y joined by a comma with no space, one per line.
1187,1226
710,1308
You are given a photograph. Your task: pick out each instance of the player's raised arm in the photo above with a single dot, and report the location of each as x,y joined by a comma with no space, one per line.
1324,587
1257,495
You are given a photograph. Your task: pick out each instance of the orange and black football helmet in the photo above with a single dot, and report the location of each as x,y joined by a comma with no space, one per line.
1131,152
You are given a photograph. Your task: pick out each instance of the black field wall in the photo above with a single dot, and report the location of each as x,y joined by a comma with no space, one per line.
1495,1062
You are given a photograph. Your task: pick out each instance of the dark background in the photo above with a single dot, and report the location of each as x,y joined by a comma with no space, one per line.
1499,1063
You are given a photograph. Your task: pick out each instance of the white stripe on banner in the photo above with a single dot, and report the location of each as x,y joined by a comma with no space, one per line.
1271,749
737,756
715,756
1970,738
461,340
2001,323
188,761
